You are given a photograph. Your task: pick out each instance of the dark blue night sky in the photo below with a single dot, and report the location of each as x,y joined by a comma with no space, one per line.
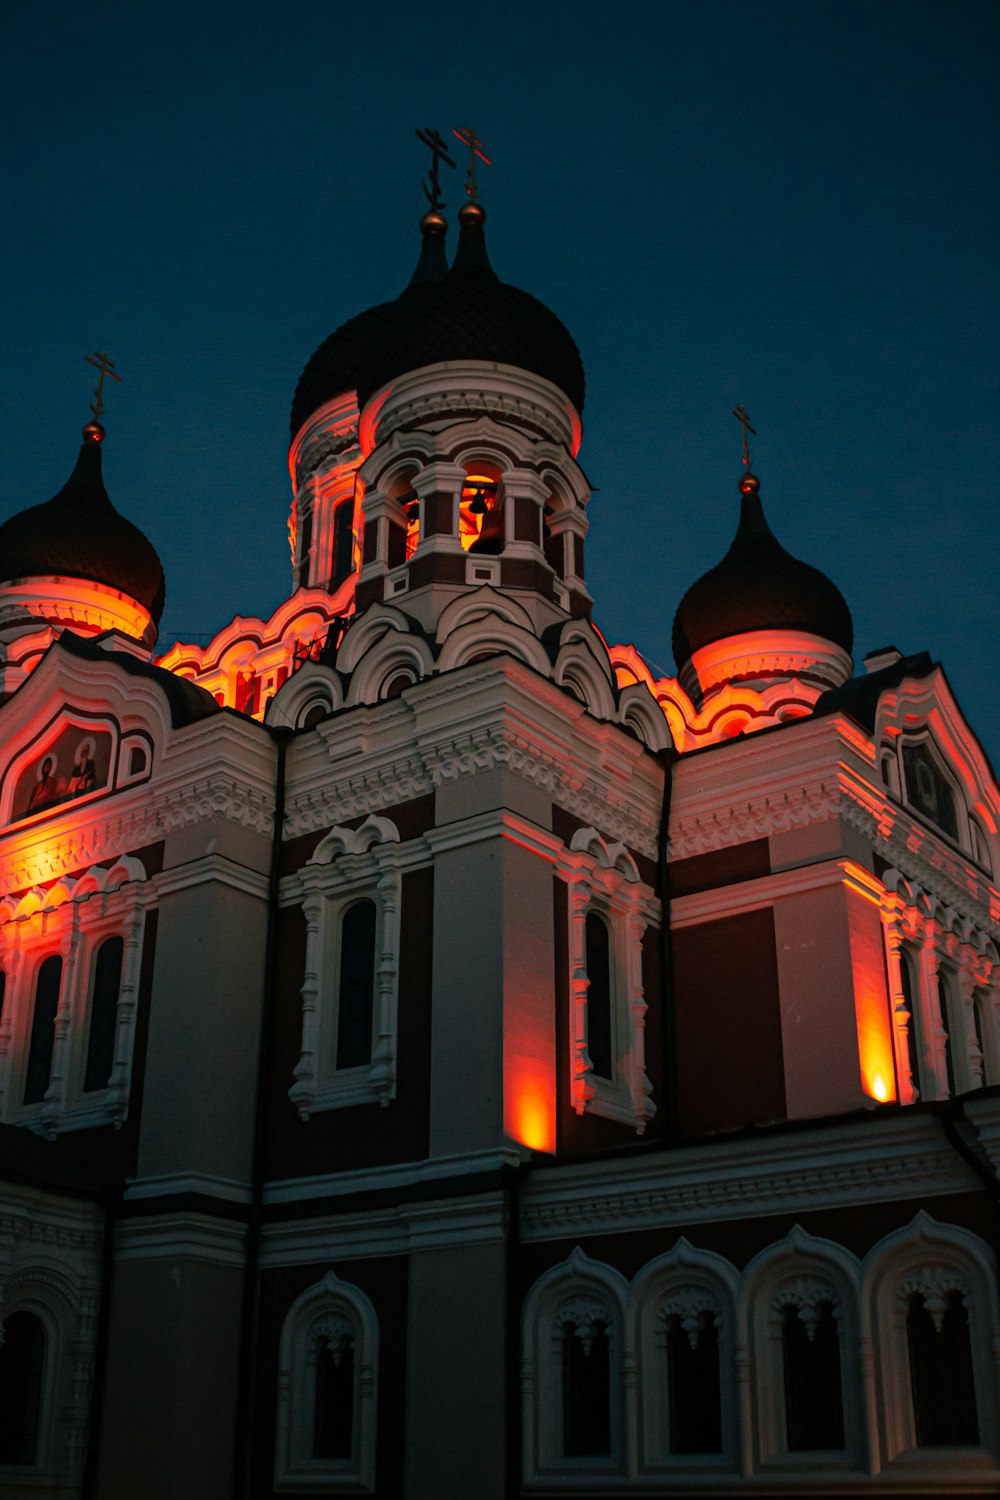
789,205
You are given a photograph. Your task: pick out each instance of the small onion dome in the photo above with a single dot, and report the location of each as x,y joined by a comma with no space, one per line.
79,534
759,586
471,314
337,364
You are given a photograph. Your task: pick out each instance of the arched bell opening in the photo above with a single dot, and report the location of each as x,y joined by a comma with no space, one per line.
481,520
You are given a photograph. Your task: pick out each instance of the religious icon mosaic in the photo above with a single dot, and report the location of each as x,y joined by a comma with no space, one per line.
76,763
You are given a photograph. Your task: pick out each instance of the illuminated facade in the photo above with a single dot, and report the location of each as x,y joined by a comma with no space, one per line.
439,1059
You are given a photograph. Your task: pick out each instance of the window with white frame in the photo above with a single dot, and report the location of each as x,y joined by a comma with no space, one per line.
327,1391
933,1307
800,1302
572,1372
350,895
681,1323
70,958
943,973
609,909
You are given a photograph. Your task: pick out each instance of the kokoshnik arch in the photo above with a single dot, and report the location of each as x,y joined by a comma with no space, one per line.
439,1057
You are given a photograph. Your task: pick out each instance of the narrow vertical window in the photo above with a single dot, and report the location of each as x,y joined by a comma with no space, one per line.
912,1057
305,543
949,1062
978,1002
814,1407
334,1424
586,1363
43,1030
941,1377
104,1014
343,543
22,1355
599,996
3,990
357,985
693,1385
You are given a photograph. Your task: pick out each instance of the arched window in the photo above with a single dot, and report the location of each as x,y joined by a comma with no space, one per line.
22,1356
357,985
693,1383
927,790
941,1373
333,1426
599,1030
327,1390
909,997
944,996
104,1014
980,846
305,543
343,543
814,1405
586,1404
43,1029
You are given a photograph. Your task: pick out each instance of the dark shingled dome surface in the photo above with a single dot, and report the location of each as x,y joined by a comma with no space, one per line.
468,313
79,534
759,586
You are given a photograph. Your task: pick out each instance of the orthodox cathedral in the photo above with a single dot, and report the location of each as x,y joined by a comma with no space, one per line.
441,1059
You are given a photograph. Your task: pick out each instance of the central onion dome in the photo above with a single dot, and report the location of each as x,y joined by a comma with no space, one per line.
79,534
759,586
466,312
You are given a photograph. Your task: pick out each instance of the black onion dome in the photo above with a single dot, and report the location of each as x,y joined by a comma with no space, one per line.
79,534
338,362
334,367
759,586
471,314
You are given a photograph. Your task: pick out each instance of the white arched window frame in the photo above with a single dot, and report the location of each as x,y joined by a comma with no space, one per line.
72,919
603,878
68,1321
693,1285
578,1293
931,1260
349,865
330,1310
941,945
802,1272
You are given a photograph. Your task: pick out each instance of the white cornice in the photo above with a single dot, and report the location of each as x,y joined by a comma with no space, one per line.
181,1237
890,1159
497,713
211,869
477,1219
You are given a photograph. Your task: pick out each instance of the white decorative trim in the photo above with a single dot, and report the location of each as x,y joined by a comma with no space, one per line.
50,1267
572,1296
168,1184
787,1172
477,1219
182,1237
603,879
378,1179
332,1311
348,865
72,920
929,1257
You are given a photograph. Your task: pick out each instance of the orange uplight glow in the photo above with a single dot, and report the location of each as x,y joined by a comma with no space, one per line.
531,1109
879,1088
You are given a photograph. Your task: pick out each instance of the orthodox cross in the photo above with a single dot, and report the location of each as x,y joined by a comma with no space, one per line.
432,193
105,366
739,412
469,138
